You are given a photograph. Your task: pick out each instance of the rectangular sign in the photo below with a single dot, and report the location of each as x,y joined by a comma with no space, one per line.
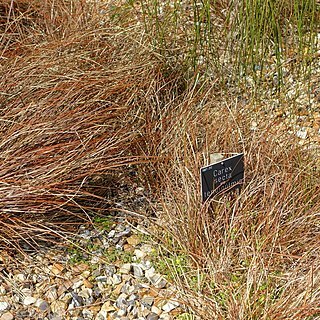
223,176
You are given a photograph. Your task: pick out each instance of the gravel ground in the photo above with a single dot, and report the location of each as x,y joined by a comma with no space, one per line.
114,278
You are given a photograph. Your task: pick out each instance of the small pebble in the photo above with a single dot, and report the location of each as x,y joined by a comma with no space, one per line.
170,305
4,305
165,316
102,278
121,312
116,279
122,302
2,290
7,316
152,316
29,300
137,271
147,301
139,254
125,268
42,305
156,310
134,240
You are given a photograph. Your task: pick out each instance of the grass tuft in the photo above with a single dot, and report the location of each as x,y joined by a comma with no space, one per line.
90,89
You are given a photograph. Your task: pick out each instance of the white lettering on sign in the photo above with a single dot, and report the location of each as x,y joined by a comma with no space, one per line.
224,186
217,173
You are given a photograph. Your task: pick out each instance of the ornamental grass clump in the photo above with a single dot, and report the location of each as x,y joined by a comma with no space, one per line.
72,98
256,255
86,90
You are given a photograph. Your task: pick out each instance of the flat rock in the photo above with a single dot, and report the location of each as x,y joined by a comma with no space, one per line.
125,268
158,281
150,273
58,307
29,300
139,254
152,316
165,316
122,302
156,310
85,293
42,305
107,307
116,279
147,301
137,271
4,305
134,240
7,316
102,278
170,305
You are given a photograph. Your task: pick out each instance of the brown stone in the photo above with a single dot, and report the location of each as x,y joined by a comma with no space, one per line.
56,268
134,240
87,284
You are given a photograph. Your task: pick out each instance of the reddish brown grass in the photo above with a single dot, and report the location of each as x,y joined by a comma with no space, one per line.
72,102
81,97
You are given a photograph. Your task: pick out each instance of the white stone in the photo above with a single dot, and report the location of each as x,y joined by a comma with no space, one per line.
121,313
20,277
170,305
125,268
146,248
156,310
77,284
27,301
165,316
215,157
302,133
146,265
116,279
150,273
111,234
137,271
4,305
26,292
94,260
2,290
147,301
254,126
158,281
139,254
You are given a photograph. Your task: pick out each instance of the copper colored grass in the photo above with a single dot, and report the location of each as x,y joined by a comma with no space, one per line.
80,98
71,104
256,256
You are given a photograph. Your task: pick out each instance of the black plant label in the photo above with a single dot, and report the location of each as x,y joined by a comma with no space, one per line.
222,177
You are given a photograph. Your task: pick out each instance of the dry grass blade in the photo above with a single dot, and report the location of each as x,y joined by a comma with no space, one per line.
256,256
68,112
